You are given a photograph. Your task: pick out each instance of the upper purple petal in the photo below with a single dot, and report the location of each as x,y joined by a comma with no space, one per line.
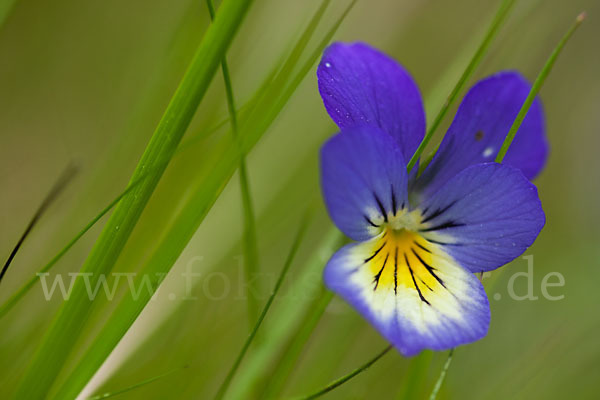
484,217
363,179
360,85
480,127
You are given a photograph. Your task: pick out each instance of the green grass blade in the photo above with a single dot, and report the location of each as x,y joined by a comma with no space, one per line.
14,299
288,318
65,329
537,85
442,377
202,196
332,238
250,241
57,188
286,363
340,381
133,387
23,290
499,18
288,262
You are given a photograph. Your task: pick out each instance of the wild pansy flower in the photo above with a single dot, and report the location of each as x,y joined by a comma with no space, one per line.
419,241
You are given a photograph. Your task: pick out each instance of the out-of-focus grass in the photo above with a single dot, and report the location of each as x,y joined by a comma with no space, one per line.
82,80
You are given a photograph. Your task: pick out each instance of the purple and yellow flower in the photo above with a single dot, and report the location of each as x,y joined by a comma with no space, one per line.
419,241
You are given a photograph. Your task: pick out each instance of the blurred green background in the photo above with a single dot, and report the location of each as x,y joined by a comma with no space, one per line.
86,82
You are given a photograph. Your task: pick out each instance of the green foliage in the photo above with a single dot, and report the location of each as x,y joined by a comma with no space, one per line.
90,81
70,320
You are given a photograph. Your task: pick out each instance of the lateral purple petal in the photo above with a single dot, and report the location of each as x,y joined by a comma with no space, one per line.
360,85
484,217
480,126
363,179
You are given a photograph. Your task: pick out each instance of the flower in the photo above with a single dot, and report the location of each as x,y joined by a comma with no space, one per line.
419,241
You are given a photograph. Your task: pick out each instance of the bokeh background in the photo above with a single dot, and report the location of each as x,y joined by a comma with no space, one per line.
86,82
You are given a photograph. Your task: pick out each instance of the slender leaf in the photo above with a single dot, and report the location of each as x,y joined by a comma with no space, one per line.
250,241
537,85
14,299
145,382
56,189
203,194
288,262
340,381
286,363
66,327
499,18
22,291
442,377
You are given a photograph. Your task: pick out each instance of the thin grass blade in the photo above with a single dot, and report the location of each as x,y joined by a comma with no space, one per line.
133,387
288,262
250,241
442,377
203,195
63,180
537,85
286,363
495,25
340,381
68,324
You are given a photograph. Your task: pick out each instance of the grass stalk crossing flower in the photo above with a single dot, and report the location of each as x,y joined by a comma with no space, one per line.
537,85
494,28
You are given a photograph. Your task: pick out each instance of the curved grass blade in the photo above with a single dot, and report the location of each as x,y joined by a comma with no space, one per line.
203,195
288,262
62,182
440,380
14,299
68,324
499,18
250,241
340,381
133,387
509,138
286,362
537,85
333,237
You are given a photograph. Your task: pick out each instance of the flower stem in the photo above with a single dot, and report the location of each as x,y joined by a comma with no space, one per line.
250,241
440,380
537,85
499,18
347,377
280,279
